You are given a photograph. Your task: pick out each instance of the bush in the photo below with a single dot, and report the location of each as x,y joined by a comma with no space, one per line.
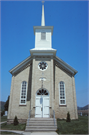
2,113
16,121
68,117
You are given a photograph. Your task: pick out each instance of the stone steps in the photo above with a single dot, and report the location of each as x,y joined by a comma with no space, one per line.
41,124
40,119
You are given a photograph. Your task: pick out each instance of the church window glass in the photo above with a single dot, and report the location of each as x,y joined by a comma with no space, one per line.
43,35
42,65
23,92
42,92
62,93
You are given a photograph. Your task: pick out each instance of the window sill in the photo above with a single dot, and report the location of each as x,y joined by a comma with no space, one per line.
62,105
22,105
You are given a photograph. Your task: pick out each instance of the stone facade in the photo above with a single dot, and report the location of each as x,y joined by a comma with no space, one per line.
68,79
53,74
15,109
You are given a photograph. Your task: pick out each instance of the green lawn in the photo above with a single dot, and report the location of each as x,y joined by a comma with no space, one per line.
3,118
12,127
79,126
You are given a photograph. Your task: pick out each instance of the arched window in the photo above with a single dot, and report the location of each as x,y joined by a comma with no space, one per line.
23,95
62,100
42,92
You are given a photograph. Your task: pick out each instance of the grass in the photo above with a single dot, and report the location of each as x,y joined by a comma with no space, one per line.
3,118
12,127
79,126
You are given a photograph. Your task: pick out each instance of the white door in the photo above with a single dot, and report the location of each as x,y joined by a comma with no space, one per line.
45,106
38,111
42,103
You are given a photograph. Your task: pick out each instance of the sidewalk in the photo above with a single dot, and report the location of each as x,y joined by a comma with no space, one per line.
3,122
31,133
14,131
43,133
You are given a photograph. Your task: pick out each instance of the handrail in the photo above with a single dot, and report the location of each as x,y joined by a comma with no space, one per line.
29,117
30,113
54,117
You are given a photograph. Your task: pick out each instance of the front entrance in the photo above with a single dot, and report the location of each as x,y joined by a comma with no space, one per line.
42,103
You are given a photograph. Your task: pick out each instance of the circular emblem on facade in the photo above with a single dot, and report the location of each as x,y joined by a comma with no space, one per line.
42,65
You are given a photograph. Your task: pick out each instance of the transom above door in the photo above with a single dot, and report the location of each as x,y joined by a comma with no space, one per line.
42,103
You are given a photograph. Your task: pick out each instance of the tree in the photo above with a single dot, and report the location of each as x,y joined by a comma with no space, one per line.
6,106
68,117
16,121
2,113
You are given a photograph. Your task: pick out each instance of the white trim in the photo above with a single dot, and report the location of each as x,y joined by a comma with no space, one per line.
21,64
65,65
42,54
64,94
20,94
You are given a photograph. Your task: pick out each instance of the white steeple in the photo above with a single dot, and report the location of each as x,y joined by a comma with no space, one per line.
43,17
43,38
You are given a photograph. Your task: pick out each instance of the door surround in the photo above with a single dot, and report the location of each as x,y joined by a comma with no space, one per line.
42,103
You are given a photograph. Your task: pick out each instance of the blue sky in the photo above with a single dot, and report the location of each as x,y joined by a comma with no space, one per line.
70,38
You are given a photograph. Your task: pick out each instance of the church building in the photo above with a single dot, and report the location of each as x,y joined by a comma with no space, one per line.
43,85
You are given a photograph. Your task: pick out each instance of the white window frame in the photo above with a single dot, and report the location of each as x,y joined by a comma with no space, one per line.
64,94
20,94
43,35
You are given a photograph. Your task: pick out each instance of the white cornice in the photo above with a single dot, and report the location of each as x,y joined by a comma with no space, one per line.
43,51
20,65
65,65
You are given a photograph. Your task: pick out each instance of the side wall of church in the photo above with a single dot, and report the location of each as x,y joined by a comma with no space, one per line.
15,109
70,94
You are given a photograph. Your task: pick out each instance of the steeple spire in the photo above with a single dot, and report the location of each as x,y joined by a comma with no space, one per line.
43,18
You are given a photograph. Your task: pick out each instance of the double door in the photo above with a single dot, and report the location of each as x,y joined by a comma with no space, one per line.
42,106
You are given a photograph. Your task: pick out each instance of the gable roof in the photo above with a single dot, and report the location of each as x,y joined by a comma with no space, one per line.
28,60
65,66
21,65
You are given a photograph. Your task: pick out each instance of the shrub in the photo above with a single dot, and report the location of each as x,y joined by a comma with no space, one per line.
2,113
16,120
68,117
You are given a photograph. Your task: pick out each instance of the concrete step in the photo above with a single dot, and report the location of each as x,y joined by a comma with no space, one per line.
37,126
40,119
40,124
40,130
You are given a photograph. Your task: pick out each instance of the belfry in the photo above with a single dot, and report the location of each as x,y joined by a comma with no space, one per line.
43,85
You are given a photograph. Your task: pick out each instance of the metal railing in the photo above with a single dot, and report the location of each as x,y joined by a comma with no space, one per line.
54,117
52,114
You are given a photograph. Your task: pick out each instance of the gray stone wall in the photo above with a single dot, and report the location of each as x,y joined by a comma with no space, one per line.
21,111
71,106
53,74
